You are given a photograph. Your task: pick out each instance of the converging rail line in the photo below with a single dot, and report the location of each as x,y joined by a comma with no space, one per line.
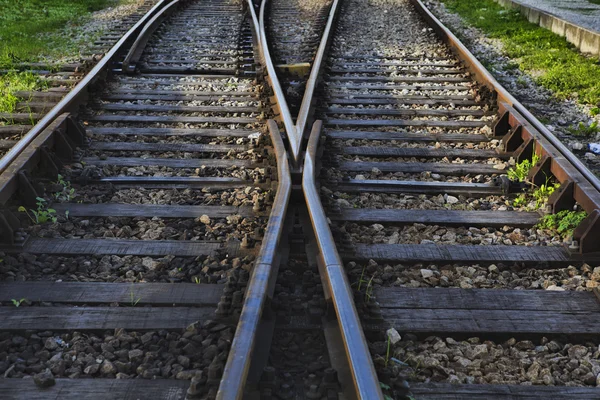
280,200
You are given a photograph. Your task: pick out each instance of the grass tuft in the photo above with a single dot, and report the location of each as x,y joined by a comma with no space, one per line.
585,130
13,82
520,171
29,29
562,223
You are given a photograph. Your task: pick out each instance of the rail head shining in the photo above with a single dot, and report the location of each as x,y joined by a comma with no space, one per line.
70,99
307,100
284,109
240,355
359,359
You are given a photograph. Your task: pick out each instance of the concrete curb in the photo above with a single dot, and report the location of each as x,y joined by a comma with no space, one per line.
585,40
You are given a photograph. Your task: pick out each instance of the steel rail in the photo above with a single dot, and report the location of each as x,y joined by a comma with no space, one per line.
298,129
284,110
71,99
255,23
306,107
484,77
136,50
361,365
240,354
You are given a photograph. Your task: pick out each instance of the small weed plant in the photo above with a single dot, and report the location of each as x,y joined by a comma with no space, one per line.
369,290
18,302
543,192
563,222
520,171
584,130
539,194
67,193
520,201
387,352
361,280
386,387
133,298
42,214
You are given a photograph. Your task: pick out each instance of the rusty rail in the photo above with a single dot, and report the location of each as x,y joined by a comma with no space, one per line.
296,132
240,355
306,107
75,96
366,383
136,50
282,106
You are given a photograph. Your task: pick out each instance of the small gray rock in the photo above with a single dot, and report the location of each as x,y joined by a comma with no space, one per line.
451,200
108,368
185,375
478,351
44,379
426,273
51,344
92,369
184,361
577,351
136,355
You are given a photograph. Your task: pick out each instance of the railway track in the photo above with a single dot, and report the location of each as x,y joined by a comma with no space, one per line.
411,165
143,216
166,231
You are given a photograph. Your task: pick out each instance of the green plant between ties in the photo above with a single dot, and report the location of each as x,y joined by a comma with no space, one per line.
66,193
540,194
543,192
520,170
563,222
18,302
132,297
40,215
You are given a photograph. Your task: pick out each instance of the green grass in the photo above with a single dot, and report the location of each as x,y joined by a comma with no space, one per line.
550,59
14,82
585,130
32,30
594,1
520,170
